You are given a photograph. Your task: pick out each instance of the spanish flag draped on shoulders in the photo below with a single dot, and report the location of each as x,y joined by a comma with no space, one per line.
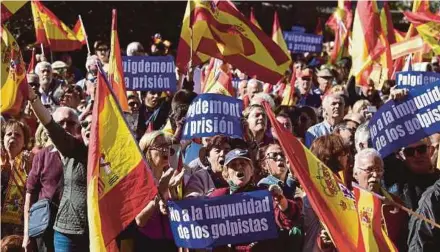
217,29
333,203
120,184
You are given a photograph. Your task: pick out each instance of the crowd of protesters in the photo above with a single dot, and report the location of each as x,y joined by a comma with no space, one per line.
44,155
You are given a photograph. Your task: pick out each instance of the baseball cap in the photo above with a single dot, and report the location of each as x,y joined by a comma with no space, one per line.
235,154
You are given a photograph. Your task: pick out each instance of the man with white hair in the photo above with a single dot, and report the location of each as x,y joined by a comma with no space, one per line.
135,49
362,138
333,113
253,87
46,82
368,172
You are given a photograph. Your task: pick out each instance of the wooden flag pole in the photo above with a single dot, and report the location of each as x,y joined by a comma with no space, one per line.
85,35
42,49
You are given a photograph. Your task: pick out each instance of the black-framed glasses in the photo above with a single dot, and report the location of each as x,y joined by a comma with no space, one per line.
85,124
133,104
102,49
411,151
275,156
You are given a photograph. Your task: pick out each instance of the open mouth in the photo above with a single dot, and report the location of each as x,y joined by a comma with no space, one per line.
240,175
87,134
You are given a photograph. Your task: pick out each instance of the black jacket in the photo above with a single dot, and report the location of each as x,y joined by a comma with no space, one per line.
423,236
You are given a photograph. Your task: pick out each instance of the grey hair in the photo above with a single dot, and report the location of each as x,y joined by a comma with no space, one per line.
134,47
42,65
365,153
69,110
326,99
362,135
259,83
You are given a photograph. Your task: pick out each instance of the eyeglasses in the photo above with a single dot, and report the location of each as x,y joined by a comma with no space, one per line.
68,123
102,49
379,172
411,151
275,155
163,149
133,104
85,124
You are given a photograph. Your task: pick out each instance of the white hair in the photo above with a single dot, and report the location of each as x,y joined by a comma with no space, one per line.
69,110
134,47
42,65
326,100
364,154
91,60
362,135
260,97
259,83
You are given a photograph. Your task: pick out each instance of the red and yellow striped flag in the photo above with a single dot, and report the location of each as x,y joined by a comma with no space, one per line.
368,40
340,22
79,31
289,98
369,209
277,34
254,19
50,31
13,75
120,183
115,70
8,8
217,29
332,201
428,26
218,79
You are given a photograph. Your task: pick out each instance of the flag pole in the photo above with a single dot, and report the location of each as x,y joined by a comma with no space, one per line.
389,201
85,35
42,49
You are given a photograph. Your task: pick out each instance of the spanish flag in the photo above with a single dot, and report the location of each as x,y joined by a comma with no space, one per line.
115,71
340,22
218,79
13,75
8,8
428,26
254,19
80,32
217,29
50,31
277,34
369,209
332,201
289,98
120,183
368,40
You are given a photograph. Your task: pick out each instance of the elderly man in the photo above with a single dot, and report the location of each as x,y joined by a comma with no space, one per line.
135,49
368,171
419,174
333,113
362,138
47,84
325,79
306,95
44,178
253,87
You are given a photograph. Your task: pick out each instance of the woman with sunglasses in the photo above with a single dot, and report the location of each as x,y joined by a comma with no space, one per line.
153,223
288,208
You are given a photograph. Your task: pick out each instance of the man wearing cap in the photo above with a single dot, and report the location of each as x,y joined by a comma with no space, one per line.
325,79
304,85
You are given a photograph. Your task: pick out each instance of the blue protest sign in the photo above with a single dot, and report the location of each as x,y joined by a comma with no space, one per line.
299,29
149,73
400,123
231,219
303,42
213,114
410,79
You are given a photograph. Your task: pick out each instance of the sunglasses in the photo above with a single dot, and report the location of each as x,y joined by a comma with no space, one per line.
275,155
163,149
85,124
102,49
411,151
133,104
